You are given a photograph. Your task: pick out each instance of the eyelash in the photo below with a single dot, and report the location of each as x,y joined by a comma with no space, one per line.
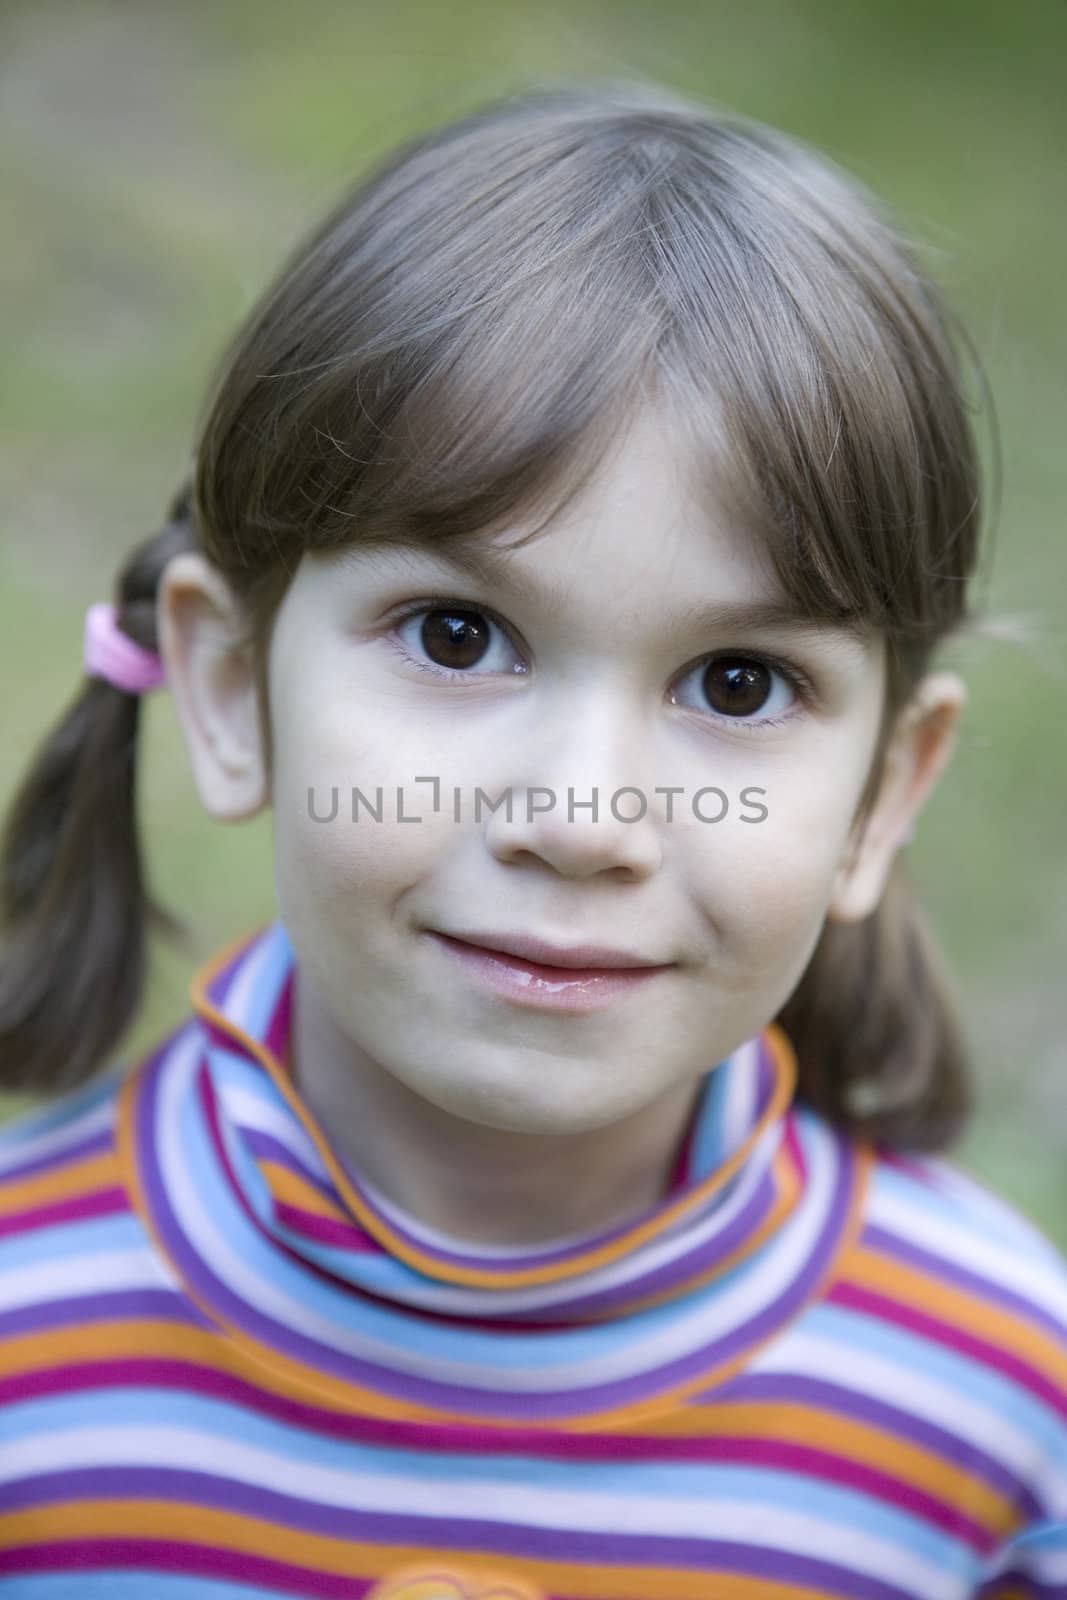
794,675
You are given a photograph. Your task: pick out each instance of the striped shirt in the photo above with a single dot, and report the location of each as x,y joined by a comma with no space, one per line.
230,1368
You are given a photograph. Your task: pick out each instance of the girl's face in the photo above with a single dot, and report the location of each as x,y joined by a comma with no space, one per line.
586,666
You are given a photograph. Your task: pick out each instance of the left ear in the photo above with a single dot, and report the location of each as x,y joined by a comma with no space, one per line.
921,744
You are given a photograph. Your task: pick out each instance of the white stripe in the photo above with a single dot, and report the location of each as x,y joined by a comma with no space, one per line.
241,994
249,1110
968,1245
1046,1566
18,1149
559,1295
760,1158
908,1389
706,1319
976,1197
685,1236
243,1106
568,1507
742,1091
70,1276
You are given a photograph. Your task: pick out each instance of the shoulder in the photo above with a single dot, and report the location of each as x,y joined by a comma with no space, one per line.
931,1207
64,1209
45,1138
985,1290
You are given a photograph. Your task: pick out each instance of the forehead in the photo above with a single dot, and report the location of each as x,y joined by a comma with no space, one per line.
645,537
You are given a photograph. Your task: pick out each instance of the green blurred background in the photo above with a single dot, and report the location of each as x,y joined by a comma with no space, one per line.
160,159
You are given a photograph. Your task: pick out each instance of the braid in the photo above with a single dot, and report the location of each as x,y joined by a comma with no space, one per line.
74,905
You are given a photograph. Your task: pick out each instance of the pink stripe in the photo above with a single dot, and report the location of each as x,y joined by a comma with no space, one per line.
168,1555
209,1109
325,1230
930,1327
809,1462
276,1037
431,1437
909,1167
791,1140
79,1207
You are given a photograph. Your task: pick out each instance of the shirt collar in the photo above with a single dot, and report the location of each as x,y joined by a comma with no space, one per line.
273,1235
244,998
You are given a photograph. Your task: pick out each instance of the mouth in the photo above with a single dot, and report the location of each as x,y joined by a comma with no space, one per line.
525,981
534,952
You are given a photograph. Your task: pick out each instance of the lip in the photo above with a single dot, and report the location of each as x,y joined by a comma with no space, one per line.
539,952
531,983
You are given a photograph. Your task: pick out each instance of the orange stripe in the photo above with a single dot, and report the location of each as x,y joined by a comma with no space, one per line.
296,1378
342,1558
789,1422
921,1291
298,1192
554,1272
68,1181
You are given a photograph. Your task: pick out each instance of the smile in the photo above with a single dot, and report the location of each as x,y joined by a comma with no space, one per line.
534,984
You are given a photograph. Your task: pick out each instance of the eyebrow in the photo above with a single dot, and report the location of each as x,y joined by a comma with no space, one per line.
752,616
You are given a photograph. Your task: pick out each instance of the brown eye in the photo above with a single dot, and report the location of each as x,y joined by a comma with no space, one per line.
454,639
749,693
736,685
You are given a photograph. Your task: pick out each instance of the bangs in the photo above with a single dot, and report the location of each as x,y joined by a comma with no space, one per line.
466,336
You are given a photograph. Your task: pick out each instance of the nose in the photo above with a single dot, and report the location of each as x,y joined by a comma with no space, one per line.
579,801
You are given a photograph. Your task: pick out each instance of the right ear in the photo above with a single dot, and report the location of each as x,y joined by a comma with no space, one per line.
208,662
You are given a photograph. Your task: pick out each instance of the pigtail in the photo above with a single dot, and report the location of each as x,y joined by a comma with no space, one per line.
877,1030
74,905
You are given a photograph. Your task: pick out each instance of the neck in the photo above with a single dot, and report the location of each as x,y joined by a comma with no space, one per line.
481,1185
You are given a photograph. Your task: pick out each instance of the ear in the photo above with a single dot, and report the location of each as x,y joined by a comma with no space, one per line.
922,742
208,663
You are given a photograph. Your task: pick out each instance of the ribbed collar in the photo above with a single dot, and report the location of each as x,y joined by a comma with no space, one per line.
274,1234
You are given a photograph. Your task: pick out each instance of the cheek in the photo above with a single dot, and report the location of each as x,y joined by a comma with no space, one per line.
336,855
764,886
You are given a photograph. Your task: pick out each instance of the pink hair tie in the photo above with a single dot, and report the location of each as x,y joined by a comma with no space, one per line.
112,654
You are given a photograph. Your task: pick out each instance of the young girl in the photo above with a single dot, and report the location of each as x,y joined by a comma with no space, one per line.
551,1201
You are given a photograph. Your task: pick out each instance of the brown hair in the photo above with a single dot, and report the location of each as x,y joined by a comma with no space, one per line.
458,341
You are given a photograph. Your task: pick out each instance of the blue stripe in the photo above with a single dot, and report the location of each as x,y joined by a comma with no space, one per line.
707,1144
276,952
65,1241
111,1583
897,1185
395,1329
643,1482
35,1120
910,1352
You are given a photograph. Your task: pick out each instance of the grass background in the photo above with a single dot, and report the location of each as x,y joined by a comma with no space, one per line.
160,160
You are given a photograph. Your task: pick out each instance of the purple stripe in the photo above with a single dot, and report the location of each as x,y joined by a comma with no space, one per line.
1017,1580
933,1328
94,1144
944,1269
168,1555
577,1450
667,1278
218,989
606,1549
836,1400
432,1393
301,1235
123,1305
265,1147
527,1259
460,1439
329,1233
673,1274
